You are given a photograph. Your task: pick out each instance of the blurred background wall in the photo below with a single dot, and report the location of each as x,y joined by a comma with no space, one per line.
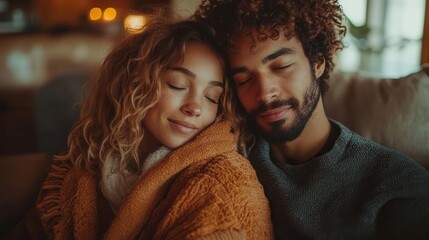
49,48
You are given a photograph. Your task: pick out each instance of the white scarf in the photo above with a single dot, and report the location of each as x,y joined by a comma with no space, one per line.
116,186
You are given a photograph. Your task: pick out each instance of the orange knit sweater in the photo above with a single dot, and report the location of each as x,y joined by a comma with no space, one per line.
204,189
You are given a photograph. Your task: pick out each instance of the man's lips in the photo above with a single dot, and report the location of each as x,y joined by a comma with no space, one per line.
182,126
275,114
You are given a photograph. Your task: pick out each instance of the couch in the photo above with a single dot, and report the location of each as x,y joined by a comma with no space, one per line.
392,112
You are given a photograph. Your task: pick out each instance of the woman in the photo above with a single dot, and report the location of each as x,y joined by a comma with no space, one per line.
154,155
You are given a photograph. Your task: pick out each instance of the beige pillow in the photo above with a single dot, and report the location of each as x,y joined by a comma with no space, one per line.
392,112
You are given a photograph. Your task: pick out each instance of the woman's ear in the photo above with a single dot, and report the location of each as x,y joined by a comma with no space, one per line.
319,67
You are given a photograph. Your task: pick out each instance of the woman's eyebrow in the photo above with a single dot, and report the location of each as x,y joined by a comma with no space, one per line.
216,83
184,71
192,75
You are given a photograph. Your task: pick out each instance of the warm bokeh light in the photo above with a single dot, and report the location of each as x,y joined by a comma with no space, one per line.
134,23
95,14
109,14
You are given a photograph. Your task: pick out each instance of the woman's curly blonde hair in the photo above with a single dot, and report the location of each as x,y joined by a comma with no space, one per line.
317,24
127,86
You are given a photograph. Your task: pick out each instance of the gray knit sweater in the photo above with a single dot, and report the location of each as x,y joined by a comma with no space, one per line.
357,190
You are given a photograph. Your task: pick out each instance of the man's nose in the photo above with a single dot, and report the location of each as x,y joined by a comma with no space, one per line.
268,88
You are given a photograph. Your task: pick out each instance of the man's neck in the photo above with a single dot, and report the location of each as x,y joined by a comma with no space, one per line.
308,144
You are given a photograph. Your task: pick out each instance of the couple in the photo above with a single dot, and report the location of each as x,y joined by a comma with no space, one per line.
155,154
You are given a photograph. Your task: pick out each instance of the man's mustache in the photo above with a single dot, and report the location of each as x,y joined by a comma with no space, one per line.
293,102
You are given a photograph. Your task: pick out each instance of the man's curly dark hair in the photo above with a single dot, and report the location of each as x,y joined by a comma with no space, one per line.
317,24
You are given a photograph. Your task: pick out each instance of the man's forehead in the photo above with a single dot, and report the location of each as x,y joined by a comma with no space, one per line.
241,41
251,43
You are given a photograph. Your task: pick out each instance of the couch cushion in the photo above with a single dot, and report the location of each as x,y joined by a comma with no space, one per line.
392,112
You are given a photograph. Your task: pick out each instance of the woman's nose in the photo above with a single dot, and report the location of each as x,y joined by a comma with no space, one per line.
192,108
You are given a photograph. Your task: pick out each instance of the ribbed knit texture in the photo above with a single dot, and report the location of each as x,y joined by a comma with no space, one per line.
223,235
115,186
202,189
358,190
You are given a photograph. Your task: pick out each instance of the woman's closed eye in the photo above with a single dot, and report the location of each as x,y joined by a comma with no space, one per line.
213,100
175,87
213,95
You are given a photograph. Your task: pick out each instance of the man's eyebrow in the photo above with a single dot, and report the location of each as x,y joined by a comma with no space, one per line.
278,53
234,71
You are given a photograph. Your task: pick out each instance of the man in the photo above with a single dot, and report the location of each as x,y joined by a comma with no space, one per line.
323,181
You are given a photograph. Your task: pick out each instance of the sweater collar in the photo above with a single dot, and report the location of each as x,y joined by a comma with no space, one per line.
260,154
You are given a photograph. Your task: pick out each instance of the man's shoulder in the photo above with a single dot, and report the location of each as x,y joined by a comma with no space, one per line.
374,157
388,164
361,146
366,146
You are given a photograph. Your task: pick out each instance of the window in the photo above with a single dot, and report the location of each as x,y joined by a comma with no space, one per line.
384,36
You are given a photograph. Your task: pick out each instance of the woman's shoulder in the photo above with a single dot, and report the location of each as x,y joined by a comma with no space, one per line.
229,170
232,165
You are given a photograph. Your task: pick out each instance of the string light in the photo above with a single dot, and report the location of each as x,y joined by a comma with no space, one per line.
95,14
109,14
134,23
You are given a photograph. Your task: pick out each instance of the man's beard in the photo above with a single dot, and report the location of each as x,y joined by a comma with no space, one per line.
278,132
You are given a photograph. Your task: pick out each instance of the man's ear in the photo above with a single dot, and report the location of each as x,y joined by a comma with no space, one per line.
319,67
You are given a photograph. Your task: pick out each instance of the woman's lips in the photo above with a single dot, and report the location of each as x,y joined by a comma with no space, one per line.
182,126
